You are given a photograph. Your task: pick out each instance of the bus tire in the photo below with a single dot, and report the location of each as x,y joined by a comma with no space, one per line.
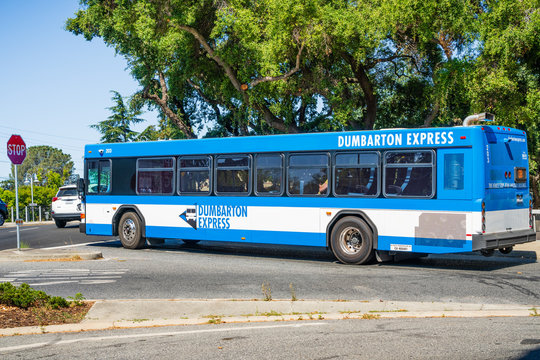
190,242
60,223
130,231
352,241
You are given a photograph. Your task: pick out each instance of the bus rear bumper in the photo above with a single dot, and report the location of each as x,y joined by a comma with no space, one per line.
502,239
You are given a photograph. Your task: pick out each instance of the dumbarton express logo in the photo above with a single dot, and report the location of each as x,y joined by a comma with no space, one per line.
212,216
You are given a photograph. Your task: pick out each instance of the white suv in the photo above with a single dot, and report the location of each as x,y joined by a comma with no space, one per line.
66,205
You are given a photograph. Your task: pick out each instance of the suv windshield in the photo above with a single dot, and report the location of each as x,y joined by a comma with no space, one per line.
67,192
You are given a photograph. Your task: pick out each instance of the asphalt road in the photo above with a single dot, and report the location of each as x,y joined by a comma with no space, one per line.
442,338
219,270
44,235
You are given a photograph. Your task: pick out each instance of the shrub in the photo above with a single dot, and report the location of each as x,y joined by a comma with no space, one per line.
57,302
24,297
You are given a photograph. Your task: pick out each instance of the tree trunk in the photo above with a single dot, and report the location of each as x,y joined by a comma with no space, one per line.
369,95
360,72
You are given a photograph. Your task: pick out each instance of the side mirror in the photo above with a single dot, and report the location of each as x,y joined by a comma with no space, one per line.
80,187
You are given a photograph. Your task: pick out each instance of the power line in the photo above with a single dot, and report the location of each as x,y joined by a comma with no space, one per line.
45,134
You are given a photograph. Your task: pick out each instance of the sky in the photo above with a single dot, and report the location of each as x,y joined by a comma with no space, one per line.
53,84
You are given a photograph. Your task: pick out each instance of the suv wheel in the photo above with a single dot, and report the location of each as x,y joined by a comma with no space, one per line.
60,223
2,219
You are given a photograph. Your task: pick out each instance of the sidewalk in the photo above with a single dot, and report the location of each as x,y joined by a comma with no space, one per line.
111,314
30,223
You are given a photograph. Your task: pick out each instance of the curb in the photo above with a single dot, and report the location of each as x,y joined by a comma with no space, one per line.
114,314
29,223
48,255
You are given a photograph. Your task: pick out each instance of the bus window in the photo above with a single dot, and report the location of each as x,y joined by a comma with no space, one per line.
307,174
453,171
409,173
125,184
99,177
233,175
194,175
269,174
155,176
356,174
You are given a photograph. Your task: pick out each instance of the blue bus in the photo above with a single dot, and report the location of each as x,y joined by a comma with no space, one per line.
360,194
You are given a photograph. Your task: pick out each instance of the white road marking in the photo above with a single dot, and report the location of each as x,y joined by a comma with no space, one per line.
145,335
24,229
64,276
52,283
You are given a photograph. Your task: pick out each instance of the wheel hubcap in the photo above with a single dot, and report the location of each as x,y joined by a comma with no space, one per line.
129,230
350,240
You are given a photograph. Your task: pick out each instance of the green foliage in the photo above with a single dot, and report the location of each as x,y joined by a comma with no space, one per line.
42,195
57,302
276,66
24,297
117,126
50,165
78,299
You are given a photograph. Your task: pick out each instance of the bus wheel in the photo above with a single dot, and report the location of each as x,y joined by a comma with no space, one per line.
190,242
352,241
130,231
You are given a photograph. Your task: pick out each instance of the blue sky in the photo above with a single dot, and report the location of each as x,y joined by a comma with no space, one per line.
53,84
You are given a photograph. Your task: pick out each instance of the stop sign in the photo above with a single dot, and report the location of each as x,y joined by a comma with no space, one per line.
16,149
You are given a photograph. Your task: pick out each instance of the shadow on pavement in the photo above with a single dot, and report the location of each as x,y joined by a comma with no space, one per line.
469,261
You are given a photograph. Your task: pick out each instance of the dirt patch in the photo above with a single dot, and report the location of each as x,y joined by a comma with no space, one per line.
11,317
74,258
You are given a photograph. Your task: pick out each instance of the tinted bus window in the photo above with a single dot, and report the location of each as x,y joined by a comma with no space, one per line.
409,173
233,174
356,174
124,184
155,176
454,174
269,174
194,175
307,174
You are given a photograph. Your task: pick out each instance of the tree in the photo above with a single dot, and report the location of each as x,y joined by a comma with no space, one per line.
506,79
50,165
117,126
277,66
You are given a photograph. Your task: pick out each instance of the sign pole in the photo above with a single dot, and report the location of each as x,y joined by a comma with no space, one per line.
17,209
16,152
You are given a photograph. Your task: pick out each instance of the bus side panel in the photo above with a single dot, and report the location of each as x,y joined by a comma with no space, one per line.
211,220
423,231
98,218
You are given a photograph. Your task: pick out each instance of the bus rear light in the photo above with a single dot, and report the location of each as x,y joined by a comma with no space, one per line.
463,137
520,174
